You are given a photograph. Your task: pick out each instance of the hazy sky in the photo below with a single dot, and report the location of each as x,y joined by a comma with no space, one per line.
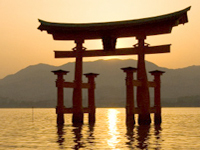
22,44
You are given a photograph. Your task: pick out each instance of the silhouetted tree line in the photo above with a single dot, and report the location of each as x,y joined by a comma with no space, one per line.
8,103
187,101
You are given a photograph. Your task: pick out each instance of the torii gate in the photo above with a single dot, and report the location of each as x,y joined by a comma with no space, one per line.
109,32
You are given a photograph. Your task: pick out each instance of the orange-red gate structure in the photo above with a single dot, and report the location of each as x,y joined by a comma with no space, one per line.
109,32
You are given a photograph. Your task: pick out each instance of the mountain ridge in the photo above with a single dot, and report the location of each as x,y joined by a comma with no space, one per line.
36,82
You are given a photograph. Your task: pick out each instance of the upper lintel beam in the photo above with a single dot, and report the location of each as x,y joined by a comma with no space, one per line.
122,51
148,26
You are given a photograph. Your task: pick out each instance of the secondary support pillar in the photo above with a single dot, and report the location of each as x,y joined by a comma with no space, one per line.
130,118
77,93
157,97
91,96
143,98
60,97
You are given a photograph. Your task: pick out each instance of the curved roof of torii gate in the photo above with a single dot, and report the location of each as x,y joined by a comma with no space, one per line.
147,26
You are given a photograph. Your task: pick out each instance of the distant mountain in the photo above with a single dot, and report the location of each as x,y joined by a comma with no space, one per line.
35,85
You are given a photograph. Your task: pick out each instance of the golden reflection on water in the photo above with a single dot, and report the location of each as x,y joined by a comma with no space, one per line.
113,130
112,136
19,131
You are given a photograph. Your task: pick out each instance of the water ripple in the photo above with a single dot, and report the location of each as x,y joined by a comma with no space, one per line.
21,129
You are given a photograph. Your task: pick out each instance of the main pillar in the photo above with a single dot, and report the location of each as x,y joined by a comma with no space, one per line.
130,118
77,93
143,98
157,97
60,97
91,96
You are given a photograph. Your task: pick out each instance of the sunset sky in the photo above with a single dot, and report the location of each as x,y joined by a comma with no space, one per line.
22,44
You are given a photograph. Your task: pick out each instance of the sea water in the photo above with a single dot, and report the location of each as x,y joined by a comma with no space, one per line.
36,129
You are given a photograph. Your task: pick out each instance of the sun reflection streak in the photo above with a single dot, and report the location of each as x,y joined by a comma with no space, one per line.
113,130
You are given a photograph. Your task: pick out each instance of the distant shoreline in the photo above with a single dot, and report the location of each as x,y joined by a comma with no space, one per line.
106,107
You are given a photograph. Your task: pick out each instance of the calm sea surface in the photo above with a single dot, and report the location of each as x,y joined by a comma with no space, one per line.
36,129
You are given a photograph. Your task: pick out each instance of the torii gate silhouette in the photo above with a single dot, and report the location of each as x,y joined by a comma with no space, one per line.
109,32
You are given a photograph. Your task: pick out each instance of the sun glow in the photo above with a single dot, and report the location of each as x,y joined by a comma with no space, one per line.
113,130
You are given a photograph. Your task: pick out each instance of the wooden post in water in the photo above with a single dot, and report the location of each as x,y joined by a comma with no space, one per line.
60,97
143,98
77,93
130,118
91,96
157,97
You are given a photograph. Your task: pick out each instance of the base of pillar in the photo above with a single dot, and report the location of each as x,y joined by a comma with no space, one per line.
157,119
130,119
60,119
144,119
92,118
77,118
